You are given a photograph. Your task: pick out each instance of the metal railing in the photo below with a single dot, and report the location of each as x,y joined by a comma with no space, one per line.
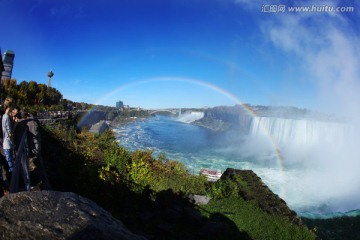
22,154
21,165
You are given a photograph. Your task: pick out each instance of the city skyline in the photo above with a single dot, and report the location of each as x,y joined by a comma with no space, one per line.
162,54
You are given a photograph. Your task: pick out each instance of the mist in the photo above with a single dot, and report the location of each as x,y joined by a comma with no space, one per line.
189,117
321,174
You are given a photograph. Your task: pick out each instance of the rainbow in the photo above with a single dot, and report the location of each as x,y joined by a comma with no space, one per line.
203,84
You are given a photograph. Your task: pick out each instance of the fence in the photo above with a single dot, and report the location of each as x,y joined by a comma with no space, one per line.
21,157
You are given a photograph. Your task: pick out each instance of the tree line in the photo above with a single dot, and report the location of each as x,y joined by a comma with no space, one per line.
37,96
30,93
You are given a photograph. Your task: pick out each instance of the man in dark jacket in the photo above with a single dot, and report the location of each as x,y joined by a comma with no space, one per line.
20,127
34,144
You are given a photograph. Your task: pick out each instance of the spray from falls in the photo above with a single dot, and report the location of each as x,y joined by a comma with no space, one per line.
190,117
295,131
321,161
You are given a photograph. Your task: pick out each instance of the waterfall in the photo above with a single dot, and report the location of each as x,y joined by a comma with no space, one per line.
189,117
298,131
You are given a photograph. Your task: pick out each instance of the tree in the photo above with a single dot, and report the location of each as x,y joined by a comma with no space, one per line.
33,89
23,93
12,89
6,85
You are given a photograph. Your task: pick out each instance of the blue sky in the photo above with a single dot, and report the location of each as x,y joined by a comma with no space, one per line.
176,53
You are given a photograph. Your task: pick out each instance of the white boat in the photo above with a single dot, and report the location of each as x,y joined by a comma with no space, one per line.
212,175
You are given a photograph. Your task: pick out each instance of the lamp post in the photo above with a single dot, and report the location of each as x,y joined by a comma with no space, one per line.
50,75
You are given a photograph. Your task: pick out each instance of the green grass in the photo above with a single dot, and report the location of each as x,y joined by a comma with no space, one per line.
123,182
338,228
251,219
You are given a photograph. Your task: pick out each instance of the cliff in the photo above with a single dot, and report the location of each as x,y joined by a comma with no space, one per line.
65,215
88,118
57,215
240,117
251,188
94,166
225,118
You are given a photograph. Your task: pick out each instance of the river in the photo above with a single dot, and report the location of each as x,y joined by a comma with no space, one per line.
198,147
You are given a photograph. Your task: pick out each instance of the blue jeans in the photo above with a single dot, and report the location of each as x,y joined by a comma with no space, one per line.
9,158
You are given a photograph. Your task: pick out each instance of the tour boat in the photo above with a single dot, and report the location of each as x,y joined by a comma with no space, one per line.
212,175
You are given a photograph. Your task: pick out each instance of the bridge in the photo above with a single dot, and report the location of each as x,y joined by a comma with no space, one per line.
174,111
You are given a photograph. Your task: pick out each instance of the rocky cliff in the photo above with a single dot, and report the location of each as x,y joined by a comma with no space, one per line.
88,118
57,215
226,118
253,189
240,117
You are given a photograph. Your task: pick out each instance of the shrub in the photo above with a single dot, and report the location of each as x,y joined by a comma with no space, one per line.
224,188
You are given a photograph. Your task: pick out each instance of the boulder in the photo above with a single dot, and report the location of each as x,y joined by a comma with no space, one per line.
99,127
199,199
57,215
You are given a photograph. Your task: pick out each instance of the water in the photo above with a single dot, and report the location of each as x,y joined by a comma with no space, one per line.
198,147
298,131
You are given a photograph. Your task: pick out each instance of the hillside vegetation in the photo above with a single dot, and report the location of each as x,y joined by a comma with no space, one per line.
150,195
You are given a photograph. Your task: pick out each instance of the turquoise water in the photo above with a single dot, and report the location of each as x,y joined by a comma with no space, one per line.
198,147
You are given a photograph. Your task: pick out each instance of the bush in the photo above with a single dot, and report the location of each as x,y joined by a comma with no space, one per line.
224,188
122,181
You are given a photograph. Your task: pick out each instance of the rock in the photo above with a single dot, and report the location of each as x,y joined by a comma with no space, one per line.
213,230
99,127
260,194
57,215
192,216
199,199
166,228
89,118
171,216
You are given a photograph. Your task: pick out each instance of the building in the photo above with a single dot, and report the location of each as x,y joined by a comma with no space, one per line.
8,62
1,65
119,104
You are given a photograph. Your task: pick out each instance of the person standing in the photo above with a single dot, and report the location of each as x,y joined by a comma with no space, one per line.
8,144
34,143
20,128
15,113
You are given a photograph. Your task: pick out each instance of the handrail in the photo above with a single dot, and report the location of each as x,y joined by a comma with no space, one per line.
21,153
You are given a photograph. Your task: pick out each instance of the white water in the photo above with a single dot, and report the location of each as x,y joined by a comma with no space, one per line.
319,161
294,131
317,175
190,117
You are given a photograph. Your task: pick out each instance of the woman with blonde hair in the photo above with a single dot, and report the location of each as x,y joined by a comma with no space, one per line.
8,144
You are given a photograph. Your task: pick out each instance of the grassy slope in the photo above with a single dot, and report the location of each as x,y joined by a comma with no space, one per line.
255,222
74,161
340,228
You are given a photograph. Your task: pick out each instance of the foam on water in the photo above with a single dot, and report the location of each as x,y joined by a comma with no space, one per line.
297,183
298,131
190,117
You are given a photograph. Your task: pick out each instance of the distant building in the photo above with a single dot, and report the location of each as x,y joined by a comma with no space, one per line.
119,104
1,65
8,62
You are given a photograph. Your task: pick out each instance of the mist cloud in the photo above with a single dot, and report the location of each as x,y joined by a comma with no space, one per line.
329,52
326,48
